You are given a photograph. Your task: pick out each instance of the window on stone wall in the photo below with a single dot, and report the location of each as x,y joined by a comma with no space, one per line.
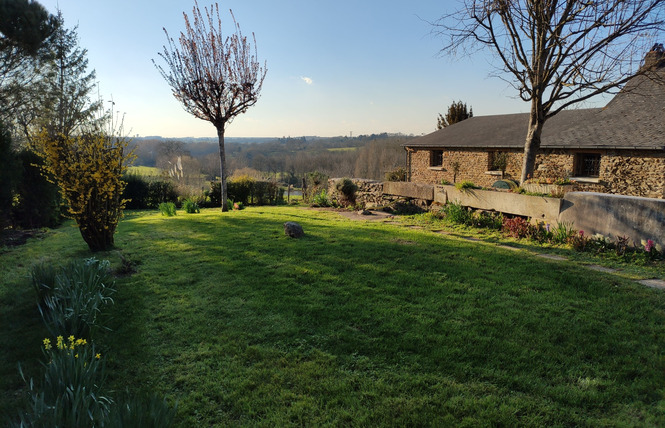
587,164
436,158
497,161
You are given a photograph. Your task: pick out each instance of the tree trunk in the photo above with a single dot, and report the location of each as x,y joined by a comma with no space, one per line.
532,144
222,169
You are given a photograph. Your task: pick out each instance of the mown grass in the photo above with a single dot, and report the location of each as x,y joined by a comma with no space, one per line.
357,323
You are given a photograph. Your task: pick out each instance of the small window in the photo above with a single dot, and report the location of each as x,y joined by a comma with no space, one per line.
587,164
436,158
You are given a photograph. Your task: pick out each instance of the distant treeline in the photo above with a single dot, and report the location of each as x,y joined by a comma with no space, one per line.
364,156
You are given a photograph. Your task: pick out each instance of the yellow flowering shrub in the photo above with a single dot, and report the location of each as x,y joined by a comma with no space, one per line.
88,169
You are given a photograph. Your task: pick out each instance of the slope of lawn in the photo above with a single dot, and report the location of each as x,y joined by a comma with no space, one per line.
356,323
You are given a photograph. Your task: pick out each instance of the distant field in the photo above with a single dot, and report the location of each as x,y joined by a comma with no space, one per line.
148,171
342,149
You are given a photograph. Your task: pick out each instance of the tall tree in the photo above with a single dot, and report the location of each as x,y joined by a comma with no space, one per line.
457,112
555,52
66,85
215,78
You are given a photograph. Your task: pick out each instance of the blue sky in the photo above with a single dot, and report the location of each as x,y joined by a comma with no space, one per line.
334,67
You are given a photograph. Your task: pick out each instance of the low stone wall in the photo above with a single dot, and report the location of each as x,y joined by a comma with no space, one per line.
536,207
369,193
615,215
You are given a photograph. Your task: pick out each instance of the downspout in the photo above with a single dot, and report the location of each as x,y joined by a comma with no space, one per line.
408,164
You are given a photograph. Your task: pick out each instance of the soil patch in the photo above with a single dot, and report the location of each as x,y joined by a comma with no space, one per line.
14,237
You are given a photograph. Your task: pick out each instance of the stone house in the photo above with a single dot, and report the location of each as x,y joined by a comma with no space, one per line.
617,149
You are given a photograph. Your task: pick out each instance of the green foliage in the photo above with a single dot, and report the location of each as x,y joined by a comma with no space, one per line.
347,188
71,296
229,204
313,183
24,24
321,199
7,175
141,412
167,209
191,206
457,213
88,169
37,202
241,188
70,394
457,112
397,174
465,185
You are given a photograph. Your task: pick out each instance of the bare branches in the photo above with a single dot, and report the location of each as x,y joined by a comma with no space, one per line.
560,52
214,77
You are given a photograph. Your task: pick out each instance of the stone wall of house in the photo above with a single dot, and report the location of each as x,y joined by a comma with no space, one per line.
633,173
474,165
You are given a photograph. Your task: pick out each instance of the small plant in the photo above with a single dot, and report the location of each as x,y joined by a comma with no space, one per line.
621,245
562,232
71,299
457,213
167,209
516,227
191,206
71,391
238,206
321,199
579,241
229,204
445,182
465,185
397,174
139,412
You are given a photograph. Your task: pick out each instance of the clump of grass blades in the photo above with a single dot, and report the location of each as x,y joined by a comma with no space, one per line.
167,209
191,206
70,297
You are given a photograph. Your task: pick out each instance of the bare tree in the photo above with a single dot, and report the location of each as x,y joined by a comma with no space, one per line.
215,78
556,52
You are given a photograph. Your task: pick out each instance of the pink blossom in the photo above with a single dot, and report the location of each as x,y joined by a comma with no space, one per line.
648,246
581,233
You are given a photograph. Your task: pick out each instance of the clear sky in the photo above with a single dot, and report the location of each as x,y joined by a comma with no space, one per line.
335,67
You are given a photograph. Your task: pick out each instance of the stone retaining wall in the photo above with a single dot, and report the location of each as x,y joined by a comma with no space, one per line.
369,193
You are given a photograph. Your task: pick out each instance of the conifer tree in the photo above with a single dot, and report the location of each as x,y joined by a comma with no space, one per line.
457,112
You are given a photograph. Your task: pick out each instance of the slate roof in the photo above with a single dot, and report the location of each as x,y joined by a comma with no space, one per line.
633,119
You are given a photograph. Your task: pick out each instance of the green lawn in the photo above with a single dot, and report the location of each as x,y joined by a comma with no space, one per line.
357,323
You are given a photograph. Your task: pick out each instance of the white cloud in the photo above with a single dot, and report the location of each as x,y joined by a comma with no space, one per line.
307,80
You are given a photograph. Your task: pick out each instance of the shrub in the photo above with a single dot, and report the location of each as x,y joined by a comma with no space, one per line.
464,185
321,199
191,206
167,209
312,185
397,174
88,169
71,297
562,233
37,202
229,204
406,207
457,213
240,188
347,188
517,227
488,220
137,192
160,191
70,394
579,241
238,206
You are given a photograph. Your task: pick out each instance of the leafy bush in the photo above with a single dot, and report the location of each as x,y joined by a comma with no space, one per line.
240,188
229,204
167,209
137,191
159,192
517,227
70,394
191,206
71,297
37,202
406,207
464,185
312,185
347,188
562,233
457,213
321,199
488,220
88,168
397,174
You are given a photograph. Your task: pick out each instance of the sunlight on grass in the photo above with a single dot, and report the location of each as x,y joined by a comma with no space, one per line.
356,323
